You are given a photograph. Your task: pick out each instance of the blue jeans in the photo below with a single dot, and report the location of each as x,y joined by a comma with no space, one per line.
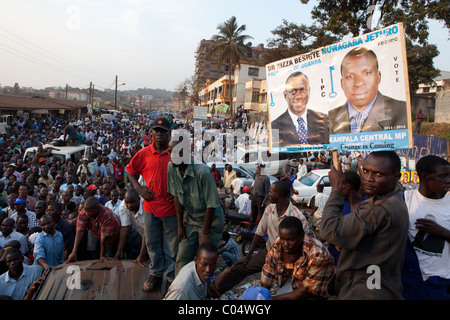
229,258
193,228
161,240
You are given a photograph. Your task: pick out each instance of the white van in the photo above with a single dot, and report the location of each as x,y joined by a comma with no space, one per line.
74,153
5,124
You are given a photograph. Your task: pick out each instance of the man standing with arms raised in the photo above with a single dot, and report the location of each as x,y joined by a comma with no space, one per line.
160,220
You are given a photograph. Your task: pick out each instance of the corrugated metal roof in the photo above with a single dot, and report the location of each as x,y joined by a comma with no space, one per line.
37,102
99,280
8,102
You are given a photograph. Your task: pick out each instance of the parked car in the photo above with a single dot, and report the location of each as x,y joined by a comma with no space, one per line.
246,175
314,165
306,186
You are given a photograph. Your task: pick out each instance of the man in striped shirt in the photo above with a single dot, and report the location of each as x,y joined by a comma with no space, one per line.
301,264
279,208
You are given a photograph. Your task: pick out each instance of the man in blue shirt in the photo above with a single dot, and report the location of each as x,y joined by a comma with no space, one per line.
98,165
49,245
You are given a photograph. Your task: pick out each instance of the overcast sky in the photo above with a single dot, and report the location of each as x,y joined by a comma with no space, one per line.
146,43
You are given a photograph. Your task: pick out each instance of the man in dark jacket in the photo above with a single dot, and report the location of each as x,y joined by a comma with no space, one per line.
373,238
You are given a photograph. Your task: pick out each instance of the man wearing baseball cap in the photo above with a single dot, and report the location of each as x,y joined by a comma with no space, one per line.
162,123
160,220
86,168
243,202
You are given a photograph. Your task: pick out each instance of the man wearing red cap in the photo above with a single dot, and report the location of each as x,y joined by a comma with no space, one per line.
243,202
160,220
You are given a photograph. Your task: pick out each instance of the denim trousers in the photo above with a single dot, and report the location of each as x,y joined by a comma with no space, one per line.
161,240
193,228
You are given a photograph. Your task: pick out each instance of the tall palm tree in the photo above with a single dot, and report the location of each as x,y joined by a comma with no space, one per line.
229,43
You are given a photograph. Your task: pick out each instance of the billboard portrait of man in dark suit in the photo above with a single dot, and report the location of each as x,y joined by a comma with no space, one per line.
300,125
366,108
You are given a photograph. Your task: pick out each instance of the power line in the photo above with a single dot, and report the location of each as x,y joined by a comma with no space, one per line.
50,54
43,63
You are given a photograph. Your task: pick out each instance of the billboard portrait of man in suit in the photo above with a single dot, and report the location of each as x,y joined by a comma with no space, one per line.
366,108
299,125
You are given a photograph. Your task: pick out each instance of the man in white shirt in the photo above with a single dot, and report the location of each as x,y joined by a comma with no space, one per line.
16,282
346,161
243,202
8,234
302,169
320,199
114,203
131,218
429,227
237,184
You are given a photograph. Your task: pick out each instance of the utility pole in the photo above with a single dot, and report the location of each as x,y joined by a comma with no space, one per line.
92,96
67,89
90,93
115,96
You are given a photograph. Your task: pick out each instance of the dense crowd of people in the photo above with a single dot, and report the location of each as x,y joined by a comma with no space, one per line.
130,197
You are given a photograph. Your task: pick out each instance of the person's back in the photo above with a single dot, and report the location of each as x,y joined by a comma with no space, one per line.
320,199
243,203
237,184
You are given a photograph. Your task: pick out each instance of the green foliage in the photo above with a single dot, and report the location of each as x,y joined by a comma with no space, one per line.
229,44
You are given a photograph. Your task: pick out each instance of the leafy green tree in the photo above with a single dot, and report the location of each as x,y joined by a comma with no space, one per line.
292,39
228,43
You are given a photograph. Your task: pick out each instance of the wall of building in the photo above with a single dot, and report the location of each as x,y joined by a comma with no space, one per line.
442,103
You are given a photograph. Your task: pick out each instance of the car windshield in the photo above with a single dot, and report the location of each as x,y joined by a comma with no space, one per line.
309,179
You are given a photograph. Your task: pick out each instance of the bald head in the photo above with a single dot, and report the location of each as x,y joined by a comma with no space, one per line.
92,207
132,194
132,200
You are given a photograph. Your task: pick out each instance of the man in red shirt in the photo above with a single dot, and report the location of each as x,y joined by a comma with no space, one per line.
100,222
160,220
146,138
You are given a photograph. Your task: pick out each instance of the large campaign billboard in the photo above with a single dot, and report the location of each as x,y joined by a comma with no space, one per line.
352,96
